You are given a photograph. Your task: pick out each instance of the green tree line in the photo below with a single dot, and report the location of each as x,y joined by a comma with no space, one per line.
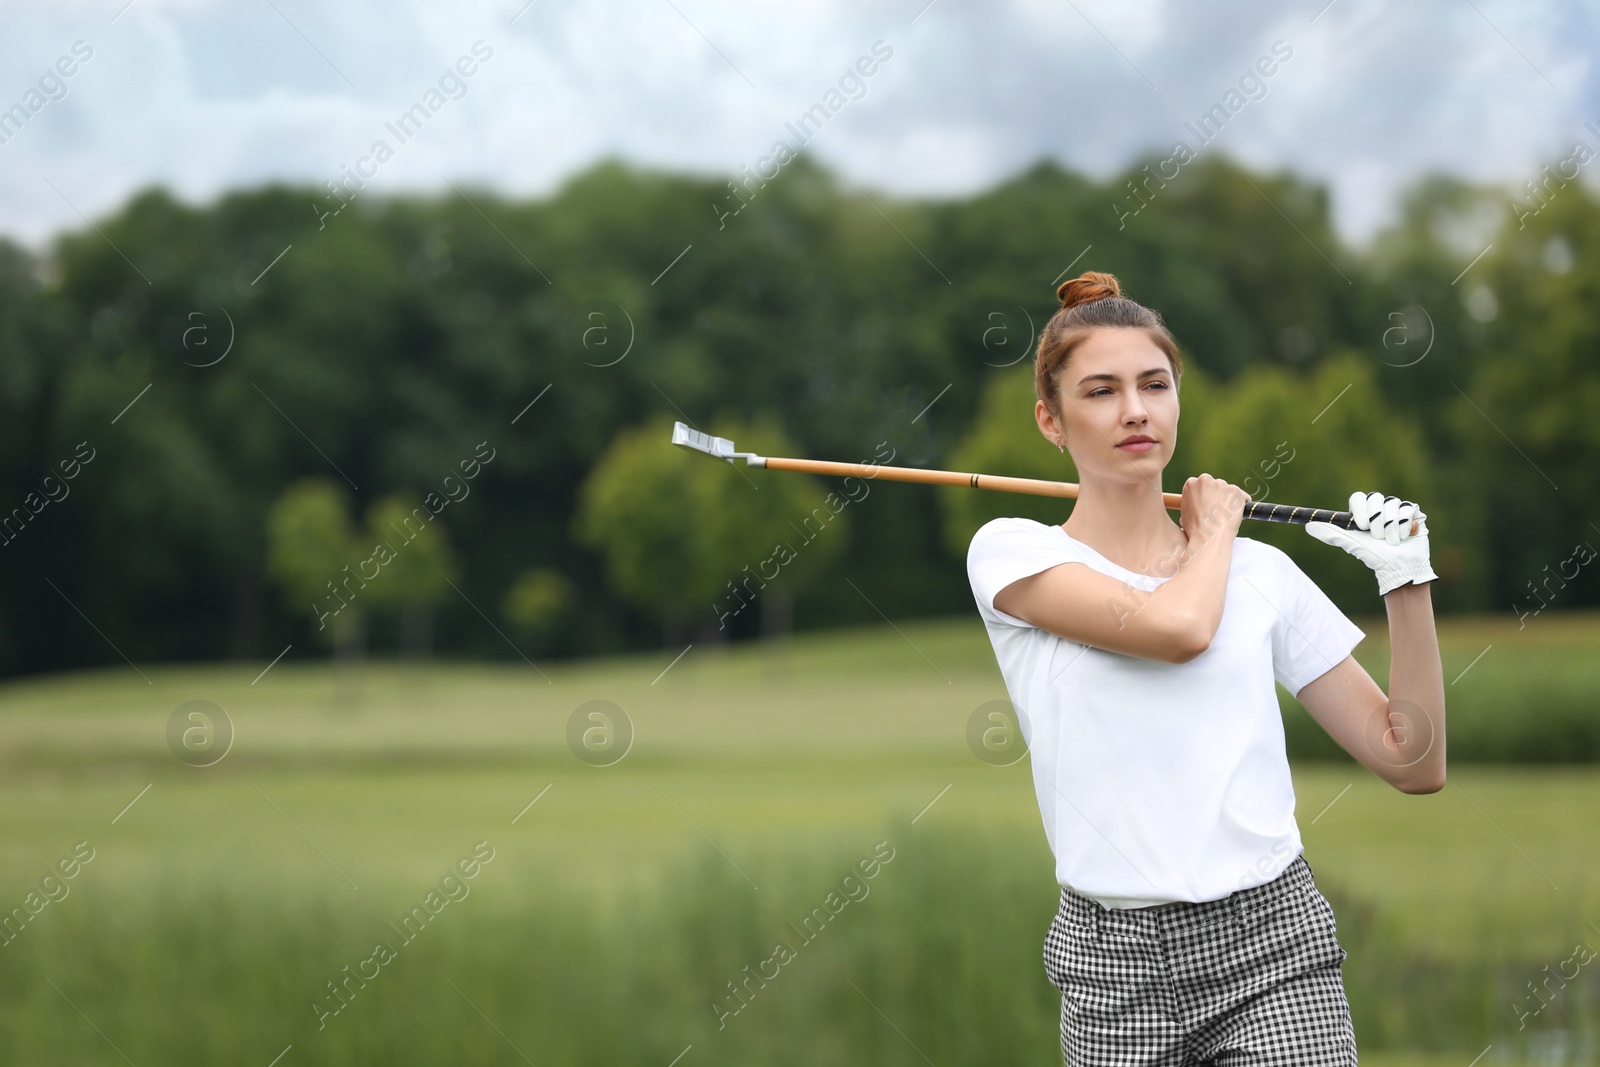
259,364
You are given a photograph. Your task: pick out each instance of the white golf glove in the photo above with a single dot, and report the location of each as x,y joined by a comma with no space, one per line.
1388,546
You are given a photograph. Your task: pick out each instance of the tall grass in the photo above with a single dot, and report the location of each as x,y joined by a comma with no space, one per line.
935,958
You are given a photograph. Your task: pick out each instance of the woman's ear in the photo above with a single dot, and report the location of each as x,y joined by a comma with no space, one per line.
1049,426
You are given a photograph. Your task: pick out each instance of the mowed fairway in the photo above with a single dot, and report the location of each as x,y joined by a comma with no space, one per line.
777,768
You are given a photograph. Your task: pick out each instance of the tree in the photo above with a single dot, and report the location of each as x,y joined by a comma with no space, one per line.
310,544
388,341
1313,439
679,532
1004,439
777,528
538,600
636,509
416,566
1525,422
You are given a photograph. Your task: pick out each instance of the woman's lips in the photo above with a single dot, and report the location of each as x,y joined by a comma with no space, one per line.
1138,446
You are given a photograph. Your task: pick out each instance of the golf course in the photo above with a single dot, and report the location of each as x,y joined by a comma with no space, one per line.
521,525
780,853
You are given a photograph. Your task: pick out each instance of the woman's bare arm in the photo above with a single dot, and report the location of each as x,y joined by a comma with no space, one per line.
1176,621
1399,737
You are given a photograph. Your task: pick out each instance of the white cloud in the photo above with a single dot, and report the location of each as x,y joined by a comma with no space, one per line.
205,96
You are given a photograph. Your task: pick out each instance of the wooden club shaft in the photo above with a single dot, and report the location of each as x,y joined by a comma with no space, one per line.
1255,509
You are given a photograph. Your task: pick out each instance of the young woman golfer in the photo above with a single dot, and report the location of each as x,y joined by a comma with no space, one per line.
1141,655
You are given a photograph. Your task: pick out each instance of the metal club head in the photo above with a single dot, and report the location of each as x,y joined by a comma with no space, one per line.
720,447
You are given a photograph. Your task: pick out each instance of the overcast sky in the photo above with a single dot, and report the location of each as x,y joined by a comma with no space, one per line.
205,95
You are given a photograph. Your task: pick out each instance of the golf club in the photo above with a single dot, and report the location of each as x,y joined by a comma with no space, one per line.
722,448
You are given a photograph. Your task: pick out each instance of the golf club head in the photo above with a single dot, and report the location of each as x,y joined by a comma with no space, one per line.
694,439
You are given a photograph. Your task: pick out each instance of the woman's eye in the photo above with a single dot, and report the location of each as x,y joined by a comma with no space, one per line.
1105,391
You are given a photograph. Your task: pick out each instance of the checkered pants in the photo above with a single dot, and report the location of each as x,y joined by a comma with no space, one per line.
1251,979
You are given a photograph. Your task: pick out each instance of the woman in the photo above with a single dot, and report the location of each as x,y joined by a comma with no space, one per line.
1141,655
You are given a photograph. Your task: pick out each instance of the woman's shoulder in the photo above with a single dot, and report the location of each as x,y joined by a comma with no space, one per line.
1012,534
1015,522
1012,526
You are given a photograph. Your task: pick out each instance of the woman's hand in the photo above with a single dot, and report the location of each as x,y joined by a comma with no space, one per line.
1395,554
1211,505
1173,623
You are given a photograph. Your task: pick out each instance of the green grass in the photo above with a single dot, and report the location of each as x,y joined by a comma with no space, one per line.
1523,694
224,898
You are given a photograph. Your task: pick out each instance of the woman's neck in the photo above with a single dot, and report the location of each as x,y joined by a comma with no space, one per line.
1127,523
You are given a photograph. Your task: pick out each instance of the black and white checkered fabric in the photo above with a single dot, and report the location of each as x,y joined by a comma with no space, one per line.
1253,978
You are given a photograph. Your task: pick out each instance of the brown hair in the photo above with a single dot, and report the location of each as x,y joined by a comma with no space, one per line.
1090,302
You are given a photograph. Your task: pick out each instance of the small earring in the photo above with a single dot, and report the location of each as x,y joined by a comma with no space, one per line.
1061,447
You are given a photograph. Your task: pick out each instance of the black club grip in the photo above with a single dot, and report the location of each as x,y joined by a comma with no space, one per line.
1260,509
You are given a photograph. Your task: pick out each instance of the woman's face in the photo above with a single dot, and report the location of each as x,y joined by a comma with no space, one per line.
1115,385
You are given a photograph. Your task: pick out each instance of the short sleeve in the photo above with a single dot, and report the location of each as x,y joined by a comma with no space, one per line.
1310,636
1005,550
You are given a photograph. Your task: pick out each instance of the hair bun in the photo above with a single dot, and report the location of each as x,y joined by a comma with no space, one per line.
1088,287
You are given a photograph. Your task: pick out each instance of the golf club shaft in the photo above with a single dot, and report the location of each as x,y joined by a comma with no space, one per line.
1255,509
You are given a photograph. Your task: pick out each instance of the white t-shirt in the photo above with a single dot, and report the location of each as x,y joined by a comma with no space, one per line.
1161,782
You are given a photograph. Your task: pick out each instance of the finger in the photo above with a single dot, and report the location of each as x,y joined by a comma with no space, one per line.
1407,512
1375,507
1358,509
1388,527
1365,507
1328,533
1347,540
1384,519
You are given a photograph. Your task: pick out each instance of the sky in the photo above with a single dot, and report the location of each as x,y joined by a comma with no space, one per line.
205,96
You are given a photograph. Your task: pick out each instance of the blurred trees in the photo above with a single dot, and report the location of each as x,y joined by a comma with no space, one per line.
1297,437
417,566
1527,422
401,563
1004,439
310,546
694,540
386,346
538,600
